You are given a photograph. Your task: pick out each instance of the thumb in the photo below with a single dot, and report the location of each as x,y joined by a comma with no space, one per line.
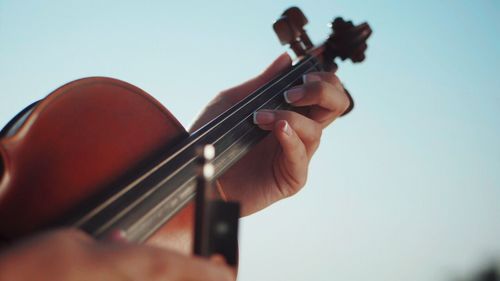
278,66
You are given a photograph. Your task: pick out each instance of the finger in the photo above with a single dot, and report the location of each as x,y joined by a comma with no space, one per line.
331,78
69,234
203,269
293,148
295,160
326,76
333,100
282,63
149,263
306,129
63,237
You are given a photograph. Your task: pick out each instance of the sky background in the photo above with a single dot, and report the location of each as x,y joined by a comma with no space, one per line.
407,187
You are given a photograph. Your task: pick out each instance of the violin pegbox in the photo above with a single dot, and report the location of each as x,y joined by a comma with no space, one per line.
290,30
347,41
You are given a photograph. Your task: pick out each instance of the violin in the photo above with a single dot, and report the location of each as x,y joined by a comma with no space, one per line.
102,155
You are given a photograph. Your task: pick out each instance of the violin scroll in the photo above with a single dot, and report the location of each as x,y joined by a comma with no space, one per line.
347,41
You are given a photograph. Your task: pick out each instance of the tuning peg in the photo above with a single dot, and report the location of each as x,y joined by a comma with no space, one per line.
286,32
297,18
289,34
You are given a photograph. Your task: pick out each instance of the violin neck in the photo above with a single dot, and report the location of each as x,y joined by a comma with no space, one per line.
233,133
152,198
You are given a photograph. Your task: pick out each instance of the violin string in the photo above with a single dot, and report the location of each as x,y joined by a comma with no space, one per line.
203,132
211,127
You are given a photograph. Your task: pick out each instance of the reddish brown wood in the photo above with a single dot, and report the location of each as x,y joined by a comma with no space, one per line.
178,233
77,140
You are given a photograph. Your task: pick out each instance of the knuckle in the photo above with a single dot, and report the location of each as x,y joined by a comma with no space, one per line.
315,87
294,183
343,104
290,116
346,101
300,180
300,183
313,137
316,133
323,90
336,80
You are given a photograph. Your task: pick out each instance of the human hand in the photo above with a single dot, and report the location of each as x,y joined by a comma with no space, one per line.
71,255
277,167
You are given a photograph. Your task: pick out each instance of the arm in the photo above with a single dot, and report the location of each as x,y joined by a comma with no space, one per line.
72,255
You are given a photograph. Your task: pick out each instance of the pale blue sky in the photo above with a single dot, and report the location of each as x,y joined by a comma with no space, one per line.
407,187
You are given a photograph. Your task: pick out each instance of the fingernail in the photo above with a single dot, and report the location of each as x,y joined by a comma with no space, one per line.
294,95
310,78
263,117
286,128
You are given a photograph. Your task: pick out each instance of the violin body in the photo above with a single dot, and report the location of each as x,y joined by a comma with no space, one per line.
73,144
